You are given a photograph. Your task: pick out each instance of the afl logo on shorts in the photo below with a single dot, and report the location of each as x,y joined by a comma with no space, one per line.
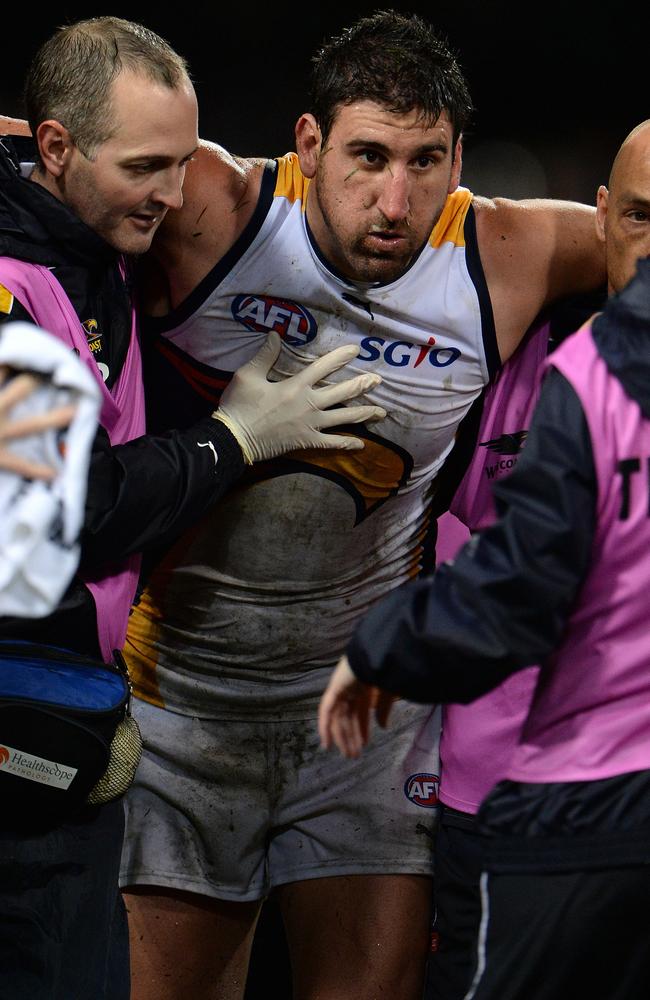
261,313
422,789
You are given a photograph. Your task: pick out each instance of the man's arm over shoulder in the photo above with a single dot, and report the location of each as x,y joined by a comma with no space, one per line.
535,252
220,193
503,604
13,126
149,490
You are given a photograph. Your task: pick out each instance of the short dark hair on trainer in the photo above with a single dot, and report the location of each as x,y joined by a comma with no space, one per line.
70,77
393,59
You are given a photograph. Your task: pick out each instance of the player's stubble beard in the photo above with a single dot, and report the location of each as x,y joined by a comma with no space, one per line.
351,256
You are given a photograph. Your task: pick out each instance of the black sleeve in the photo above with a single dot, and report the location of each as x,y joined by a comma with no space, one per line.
504,602
146,492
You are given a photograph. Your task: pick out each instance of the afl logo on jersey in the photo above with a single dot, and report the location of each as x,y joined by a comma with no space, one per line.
422,789
262,313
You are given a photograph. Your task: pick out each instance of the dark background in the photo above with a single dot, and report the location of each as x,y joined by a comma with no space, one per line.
557,86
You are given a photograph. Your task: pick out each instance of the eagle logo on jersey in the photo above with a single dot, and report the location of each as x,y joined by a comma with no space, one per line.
507,444
370,476
263,313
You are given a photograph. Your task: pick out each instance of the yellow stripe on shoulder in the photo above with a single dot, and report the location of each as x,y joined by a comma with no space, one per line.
290,183
450,227
6,301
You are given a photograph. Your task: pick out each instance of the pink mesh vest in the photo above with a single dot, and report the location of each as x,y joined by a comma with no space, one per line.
478,739
590,716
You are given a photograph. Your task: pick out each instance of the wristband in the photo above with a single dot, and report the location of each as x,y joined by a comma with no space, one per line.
236,432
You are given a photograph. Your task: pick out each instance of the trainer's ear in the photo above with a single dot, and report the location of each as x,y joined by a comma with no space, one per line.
602,204
308,144
55,146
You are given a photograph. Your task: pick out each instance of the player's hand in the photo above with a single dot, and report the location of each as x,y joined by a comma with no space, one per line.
271,418
344,711
11,393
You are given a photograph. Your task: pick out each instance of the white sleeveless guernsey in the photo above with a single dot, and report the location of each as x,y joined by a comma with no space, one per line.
249,611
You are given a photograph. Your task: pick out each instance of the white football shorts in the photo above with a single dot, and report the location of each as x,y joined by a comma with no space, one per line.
232,809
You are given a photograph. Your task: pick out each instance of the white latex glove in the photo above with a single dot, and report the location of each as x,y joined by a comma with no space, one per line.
271,418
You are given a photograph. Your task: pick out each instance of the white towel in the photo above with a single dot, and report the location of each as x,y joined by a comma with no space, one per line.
40,521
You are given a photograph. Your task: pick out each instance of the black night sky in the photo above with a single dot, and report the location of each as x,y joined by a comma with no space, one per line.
556,86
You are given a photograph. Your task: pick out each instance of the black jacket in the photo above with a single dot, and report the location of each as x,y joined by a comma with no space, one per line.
503,605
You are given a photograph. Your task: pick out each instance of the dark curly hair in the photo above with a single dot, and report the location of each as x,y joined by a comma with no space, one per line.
396,60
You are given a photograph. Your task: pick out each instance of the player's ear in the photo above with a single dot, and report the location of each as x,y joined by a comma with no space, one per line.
54,145
602,203
456,166
308,144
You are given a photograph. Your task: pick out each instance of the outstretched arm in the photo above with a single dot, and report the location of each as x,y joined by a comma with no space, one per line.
151,489
346,708
502,605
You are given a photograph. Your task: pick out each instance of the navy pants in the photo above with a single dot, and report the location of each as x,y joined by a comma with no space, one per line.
565,936
457,906
63,930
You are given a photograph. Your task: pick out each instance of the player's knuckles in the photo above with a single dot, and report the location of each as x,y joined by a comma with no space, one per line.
338,357
328,365
354,386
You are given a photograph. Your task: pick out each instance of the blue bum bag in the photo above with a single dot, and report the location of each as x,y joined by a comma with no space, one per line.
66,733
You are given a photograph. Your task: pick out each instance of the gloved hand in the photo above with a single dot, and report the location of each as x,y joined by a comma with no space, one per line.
270,418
